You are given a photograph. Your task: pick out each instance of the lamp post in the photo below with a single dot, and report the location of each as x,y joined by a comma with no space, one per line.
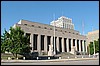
94,48
83,41
93,42
89,51
54,36
54,39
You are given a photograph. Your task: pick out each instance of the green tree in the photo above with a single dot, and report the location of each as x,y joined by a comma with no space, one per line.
96,46
91,46
4,42
15,42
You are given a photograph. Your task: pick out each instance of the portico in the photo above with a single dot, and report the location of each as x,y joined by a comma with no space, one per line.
42,35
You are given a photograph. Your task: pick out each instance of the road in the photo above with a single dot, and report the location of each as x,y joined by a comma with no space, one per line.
67,62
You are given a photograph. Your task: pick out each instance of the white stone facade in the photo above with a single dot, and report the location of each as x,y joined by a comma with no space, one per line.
42,35
63,22
93,35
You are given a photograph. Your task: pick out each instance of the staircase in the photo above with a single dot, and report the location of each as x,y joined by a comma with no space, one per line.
65,55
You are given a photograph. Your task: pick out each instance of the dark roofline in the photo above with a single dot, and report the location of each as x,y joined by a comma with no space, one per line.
47,25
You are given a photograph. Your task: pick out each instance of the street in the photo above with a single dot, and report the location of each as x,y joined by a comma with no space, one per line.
67,62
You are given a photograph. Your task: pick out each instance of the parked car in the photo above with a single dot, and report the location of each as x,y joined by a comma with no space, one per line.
97,54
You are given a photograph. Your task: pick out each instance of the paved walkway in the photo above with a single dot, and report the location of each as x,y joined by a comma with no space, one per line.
50,60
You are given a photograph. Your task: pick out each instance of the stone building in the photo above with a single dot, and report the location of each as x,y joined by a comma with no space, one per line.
93,35
63,22
42,35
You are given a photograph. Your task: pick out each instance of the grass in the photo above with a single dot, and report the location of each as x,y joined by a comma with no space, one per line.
5,56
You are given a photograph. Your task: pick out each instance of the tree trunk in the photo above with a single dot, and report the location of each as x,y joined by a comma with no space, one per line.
13,54
16,55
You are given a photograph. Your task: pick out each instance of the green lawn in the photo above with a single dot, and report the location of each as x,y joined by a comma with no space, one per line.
5,56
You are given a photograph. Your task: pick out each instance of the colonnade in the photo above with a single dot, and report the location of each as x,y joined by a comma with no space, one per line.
63,44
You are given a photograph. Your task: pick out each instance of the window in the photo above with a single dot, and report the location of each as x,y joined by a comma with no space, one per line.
50,28
39,26
32,25
25,24
45,27
56,29
76,33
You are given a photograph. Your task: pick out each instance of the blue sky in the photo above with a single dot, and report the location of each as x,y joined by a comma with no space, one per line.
42,12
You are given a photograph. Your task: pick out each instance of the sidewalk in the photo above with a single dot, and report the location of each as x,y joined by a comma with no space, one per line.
50,60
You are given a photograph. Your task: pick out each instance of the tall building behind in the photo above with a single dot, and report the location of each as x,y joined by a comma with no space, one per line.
63,22
93,35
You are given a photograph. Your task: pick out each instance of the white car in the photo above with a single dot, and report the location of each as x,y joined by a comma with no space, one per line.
97,54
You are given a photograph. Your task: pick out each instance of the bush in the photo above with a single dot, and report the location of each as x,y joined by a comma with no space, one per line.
30,56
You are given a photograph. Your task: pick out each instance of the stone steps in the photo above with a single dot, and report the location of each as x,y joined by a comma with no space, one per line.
65,55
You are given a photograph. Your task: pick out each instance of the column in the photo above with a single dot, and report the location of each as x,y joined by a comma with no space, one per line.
38,43
67,44
63,45
45,43
24,34
51,40
57,44
76,44
71,44
83,45
79,45
31,41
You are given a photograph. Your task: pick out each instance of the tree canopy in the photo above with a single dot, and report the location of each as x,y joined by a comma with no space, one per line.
91,46
15,41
